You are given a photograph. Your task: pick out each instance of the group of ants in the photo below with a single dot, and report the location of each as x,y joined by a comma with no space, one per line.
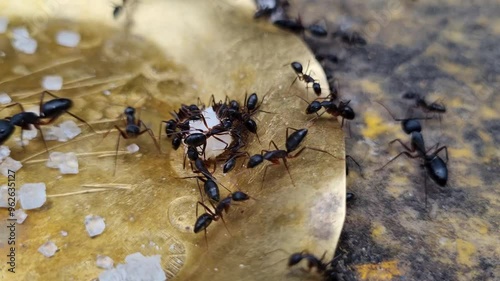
237,121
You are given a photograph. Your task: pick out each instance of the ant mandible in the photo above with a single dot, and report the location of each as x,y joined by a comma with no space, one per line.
293,141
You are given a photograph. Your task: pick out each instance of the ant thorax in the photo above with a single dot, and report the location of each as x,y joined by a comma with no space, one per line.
217,144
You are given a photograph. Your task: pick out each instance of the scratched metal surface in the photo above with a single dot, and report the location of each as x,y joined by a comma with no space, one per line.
178,51
445,50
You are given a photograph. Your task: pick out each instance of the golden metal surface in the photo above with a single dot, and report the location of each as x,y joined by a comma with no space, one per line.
208,47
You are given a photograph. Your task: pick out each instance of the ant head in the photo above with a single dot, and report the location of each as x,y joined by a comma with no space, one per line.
411,125
410,95
194,108
295,258
129,110
297,67
347,112
234,105
239,196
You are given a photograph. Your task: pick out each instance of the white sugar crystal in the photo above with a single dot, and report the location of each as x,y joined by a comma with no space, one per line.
53,133
137,268
68,38
20,32
32,195
106,92
94,225
27,136
4,197
4,22
30,134
64,233
22,41
67,163
48,249
52,82
25,45
55,159
70,129
133,148
9,164
214,146
4,152
4,97
70,165
104,262
20,215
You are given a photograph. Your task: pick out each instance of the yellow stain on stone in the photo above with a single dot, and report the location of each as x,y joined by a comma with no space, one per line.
478,224
371,87
457,69
435,49
485,136
488,112
375,125
465,250
397,189
461,153
386,270
378,230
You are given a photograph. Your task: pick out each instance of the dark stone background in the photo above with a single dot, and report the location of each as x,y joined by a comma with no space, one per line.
446,50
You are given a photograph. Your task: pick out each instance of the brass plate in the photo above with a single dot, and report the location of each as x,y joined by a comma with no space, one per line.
208,47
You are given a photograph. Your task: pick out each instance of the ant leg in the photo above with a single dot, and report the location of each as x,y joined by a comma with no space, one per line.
274,144
445,150
288,128
404,152
159,135
288,170
315,149
150,132
220,141
81,120
43,138
404,145
124,135
264,176
355,162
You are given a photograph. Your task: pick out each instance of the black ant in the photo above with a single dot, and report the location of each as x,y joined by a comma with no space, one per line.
203,221
209,186
296,26
350,38
435,166
50,110
422,103
312,261
297,67
293,141
132,130
118,9
6,130
343,109
349,197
